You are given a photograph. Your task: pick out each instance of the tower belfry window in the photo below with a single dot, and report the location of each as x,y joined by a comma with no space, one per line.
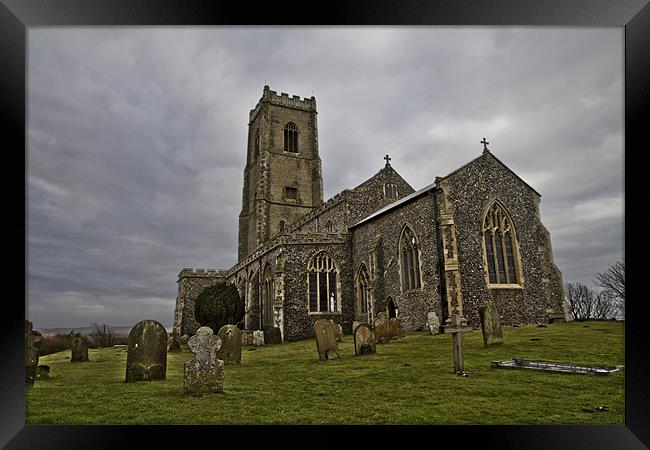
291,138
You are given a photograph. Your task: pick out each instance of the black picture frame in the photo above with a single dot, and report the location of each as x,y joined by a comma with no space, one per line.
16,16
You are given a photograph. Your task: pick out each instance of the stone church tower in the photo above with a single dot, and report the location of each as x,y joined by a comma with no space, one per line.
282,177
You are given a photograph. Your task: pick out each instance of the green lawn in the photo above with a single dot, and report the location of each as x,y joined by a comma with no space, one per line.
408,380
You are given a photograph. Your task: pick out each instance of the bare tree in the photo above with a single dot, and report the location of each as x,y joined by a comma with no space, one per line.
613,283
580,300
102,335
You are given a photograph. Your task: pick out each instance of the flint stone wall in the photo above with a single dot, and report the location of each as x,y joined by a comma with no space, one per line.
473,187
190,284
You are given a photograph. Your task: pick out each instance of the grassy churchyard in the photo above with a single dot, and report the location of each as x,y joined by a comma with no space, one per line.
408,381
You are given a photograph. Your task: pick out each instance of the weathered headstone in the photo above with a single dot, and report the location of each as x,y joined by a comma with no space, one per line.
33,340
203,374
43,373
246,337
433,322
174,344
339,330
382,327
230,350
78,348
183,339
355,324
272,335
490,323
326,344
395,327
147,352
258,337
364,340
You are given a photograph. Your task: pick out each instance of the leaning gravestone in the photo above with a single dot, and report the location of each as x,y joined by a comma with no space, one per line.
246,337
33,340
230,350
490,323
433,322
147,352
258,337
204,374
78,348
395,327
364,340
382,328
326,339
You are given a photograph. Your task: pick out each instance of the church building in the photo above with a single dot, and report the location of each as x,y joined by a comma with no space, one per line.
470,236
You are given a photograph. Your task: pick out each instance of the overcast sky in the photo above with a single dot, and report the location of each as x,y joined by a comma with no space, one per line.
136,141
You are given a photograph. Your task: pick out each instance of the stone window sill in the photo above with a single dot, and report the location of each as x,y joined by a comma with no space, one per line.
334,313
505,286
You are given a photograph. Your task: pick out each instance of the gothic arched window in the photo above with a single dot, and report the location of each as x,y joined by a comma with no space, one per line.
267,299
500,247
361,284
409,260
291,137
329,227
323,280
281,227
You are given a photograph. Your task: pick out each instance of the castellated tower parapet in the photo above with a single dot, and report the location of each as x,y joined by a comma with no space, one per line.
282,177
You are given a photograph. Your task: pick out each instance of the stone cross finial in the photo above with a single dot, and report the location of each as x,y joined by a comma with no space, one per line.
485,144
205,345
387,158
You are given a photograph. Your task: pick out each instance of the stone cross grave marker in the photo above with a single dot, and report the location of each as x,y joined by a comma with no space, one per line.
33,340
204,373
381,326
364,340
146,357
326,339
490,323
456,341
230,350
78,348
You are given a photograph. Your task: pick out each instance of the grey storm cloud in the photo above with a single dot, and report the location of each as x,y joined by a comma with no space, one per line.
137,140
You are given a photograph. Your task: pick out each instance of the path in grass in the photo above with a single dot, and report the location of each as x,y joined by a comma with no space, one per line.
408,380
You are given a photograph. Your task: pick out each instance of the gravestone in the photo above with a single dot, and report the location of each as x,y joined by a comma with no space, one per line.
43,373
174,344
364,340
355,324
382,328
339,330
203,374
395,327
230,350
490,323
433,322
78,348
33,340
326,343
246,337
258,337
183,339
272,335
146,357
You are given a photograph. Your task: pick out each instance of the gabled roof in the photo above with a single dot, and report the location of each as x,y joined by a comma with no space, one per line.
397,203
497,160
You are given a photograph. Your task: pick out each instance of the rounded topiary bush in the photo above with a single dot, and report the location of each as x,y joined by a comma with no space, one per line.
219,305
